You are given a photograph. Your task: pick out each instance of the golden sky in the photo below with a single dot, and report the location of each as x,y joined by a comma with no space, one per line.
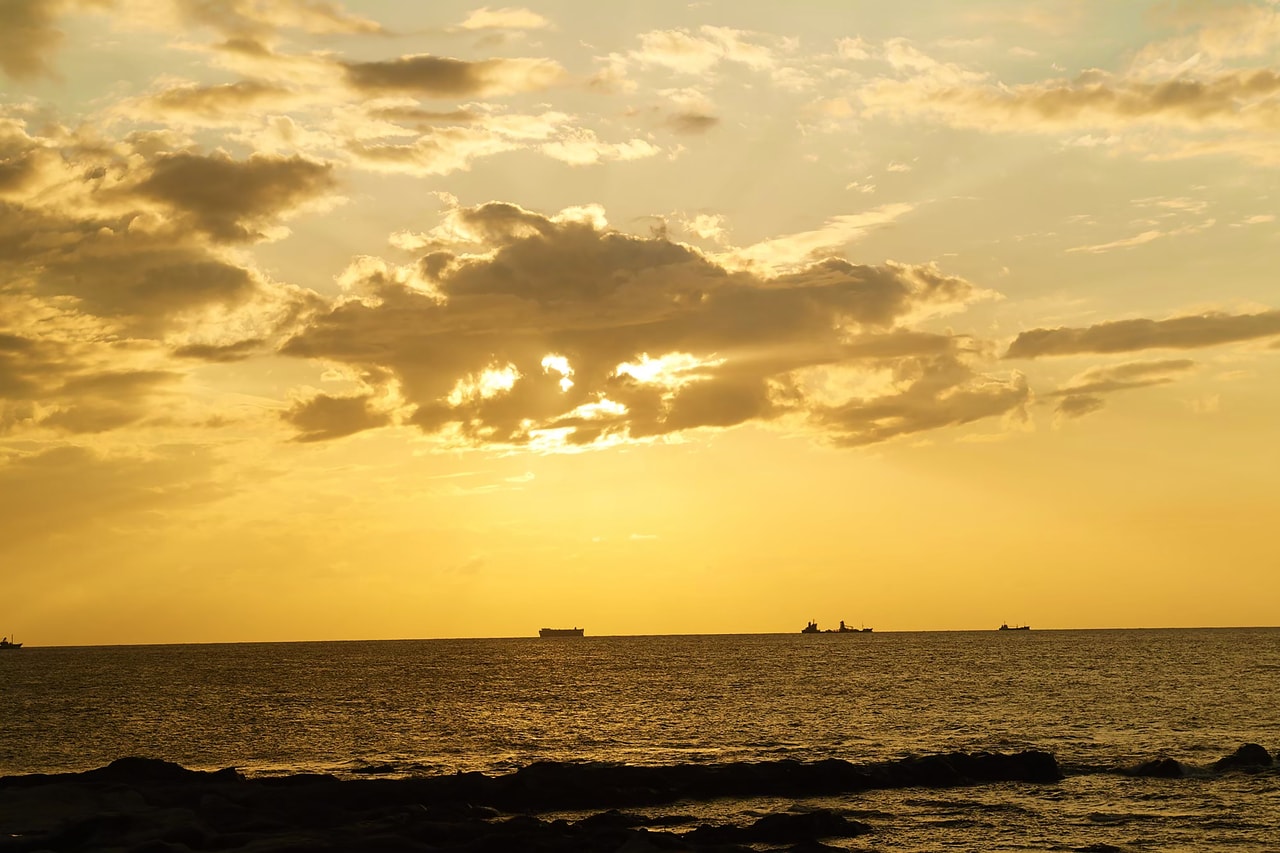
377,320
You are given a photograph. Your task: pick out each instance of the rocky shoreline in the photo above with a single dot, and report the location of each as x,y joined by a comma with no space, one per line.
143,805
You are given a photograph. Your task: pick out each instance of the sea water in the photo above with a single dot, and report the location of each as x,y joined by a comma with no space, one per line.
1098,700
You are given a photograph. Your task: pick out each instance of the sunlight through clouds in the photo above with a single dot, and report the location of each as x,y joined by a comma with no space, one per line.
833,278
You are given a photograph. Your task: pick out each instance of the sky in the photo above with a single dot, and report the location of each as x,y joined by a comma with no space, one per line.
389,320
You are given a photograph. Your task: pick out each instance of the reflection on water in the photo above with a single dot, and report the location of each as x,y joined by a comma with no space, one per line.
1094,698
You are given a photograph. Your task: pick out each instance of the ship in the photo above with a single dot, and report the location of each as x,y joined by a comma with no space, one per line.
5,644
560,632
812,628
1005,626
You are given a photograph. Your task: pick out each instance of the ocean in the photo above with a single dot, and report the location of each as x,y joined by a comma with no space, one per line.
1098,700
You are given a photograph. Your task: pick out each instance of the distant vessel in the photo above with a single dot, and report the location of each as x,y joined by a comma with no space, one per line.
560,632
5,644
812,628
1006,627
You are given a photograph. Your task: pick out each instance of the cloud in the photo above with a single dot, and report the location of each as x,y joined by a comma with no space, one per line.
443,77
325,417
50,382
557,331
1192,332
437,152
581,147
224,103
116,253
936,392
236,351
1082,394
28,34
687,52
1235,108
1079,405
97,402
780,253
1218,32
1139,239
508,18
691,122
251,18
67,487
235,200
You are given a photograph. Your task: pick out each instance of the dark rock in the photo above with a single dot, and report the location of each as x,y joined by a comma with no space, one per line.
1159,768
784,828
146,803
1251,756
779,828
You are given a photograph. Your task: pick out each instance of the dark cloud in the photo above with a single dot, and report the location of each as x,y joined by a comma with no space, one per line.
98,402
232,200
1201,330
115,270
124,255
21,363
325,417
937,392
1121,377
238,351
691,123
656,338
1079,405
61,386
439,76
110,246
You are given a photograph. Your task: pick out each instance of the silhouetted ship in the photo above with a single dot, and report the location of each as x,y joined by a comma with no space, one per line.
559,632
812,628
1007,627
5,644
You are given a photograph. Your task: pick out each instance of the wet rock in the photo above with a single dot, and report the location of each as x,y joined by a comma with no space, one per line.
783,828
143,804
1251,756
1159,768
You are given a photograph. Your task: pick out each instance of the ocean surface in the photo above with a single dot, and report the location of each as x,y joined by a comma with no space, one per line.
1098,700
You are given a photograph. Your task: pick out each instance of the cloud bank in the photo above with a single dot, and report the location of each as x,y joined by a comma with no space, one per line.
517,329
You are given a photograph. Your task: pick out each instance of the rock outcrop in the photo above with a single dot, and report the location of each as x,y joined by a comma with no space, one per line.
144,805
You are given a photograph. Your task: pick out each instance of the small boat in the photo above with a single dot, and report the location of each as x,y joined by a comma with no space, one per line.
560,632
5,644
1007,627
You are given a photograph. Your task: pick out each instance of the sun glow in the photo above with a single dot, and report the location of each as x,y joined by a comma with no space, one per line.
560,365
672,371
489,383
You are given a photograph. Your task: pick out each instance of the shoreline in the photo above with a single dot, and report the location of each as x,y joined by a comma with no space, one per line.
146,804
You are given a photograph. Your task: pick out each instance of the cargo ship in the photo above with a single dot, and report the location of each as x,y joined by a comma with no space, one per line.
560,632
812,628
